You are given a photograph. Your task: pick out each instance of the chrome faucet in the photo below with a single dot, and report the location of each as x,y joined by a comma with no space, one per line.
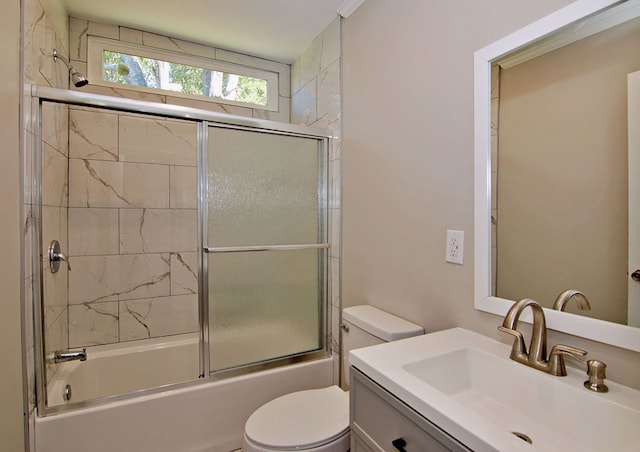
564,297
62,356
536,357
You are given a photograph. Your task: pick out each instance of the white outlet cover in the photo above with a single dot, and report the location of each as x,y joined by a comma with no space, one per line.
455,247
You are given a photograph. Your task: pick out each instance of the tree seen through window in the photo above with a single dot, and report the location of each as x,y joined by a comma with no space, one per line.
152,73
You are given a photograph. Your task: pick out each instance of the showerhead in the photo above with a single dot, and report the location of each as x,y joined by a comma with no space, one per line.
77,78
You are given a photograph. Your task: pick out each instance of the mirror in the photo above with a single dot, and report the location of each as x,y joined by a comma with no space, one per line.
559,182
533,238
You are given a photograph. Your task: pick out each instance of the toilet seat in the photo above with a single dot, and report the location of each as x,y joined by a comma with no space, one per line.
300,420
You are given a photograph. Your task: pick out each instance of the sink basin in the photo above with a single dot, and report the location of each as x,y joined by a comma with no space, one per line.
466,384
530,403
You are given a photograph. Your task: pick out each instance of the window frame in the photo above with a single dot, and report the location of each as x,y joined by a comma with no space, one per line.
97,45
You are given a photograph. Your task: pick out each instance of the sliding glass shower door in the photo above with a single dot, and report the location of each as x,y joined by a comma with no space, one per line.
198,244
116,271
264,244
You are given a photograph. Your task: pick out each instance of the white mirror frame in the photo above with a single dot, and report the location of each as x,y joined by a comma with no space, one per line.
598,330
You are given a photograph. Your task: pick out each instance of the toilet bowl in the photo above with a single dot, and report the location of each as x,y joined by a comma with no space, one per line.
318,419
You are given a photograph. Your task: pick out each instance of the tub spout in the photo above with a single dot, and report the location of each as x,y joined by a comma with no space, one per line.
62,356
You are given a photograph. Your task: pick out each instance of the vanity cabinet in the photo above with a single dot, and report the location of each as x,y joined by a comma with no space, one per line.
381,422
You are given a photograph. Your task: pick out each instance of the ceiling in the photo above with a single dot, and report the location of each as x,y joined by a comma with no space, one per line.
275,29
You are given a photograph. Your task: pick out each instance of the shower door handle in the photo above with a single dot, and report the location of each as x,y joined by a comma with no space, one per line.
56,256
243,249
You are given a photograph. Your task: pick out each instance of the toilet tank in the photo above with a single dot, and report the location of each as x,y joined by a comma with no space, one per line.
365,325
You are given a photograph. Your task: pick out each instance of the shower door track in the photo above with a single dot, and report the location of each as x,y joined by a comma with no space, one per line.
203,118
173,111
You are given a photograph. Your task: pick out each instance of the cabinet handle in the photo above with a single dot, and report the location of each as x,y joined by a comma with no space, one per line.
399,444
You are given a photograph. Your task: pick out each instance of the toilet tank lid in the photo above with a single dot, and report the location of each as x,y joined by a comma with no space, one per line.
381,324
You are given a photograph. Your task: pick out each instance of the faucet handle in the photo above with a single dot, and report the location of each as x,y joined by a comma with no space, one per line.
556,358
519,350
569,350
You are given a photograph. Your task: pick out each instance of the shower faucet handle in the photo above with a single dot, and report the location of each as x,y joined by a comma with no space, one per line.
56,256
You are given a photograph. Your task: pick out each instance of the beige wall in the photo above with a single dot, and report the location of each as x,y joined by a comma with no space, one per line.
408,160
11,397
562,177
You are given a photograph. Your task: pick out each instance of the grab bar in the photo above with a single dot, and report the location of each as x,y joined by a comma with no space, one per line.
244,249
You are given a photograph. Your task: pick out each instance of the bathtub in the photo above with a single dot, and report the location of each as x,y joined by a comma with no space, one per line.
202,416
127,367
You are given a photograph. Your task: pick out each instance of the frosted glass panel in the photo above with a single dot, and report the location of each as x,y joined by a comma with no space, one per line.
263,305
263,188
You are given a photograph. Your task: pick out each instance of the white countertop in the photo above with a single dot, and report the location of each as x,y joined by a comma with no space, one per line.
386,365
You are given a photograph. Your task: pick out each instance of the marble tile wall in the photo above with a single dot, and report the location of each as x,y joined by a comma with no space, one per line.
54,222
132,227
80,29
316,101
315,82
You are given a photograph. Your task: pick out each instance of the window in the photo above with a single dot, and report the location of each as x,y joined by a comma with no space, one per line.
115,63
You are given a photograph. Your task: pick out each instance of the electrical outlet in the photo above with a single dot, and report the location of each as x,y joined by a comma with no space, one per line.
455,247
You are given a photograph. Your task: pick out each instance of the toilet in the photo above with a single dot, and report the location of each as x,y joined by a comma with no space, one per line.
317,420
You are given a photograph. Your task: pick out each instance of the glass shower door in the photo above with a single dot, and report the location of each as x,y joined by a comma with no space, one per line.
265,246
118,195
50,210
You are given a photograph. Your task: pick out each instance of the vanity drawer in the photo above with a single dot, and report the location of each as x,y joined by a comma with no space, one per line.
378,419
358,444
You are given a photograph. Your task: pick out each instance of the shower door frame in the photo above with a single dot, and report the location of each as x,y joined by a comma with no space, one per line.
203,120
323,264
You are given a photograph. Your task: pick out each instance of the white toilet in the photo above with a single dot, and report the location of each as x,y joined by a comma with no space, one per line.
318,419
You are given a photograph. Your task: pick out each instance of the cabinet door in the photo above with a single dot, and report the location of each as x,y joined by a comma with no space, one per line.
379,420
359,445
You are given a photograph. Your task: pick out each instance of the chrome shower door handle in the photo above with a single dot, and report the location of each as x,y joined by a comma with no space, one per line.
56,256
